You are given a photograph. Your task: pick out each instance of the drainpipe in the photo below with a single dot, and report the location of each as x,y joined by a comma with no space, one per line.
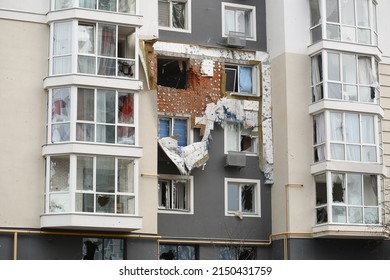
15,246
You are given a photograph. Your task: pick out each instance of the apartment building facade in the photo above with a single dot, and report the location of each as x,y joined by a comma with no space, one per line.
330,127
153,129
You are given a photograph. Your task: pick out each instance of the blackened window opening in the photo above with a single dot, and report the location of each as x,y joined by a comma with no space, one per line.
172,73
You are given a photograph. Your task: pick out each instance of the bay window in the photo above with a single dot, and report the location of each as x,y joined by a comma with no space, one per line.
120,6
101,116
347,198
102,49
90,184
351,137
344,76
344,20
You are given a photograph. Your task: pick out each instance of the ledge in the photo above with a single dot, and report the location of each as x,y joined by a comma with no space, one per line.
83,221
350,231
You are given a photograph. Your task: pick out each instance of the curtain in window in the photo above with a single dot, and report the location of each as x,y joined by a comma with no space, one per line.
316,77
229,21
62,47
233,197
240,21
245,74
315,12
320,135
88,4
336,127
368,130
107,48
126,108
362,13
63,4
232,134
163,13
105,114
347,12
85,112
352,133
86,45
178,15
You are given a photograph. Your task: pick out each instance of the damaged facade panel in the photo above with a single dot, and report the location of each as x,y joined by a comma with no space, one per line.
212,86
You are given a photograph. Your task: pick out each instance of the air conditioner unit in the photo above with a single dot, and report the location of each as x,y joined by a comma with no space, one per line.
237,159
236,39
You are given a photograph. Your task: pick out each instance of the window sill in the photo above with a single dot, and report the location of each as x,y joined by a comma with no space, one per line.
350,231
88,221
174,29
243,94
175,212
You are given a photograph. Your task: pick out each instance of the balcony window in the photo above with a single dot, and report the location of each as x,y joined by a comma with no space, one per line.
351,137
344,76
347,198
102,49
90,184
347,20
102,116
120,6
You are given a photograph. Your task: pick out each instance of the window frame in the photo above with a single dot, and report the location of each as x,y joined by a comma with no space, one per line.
187,16
177,247
255,80
102,245
324,146
255,139
326,208
73,121
189,191
171,120
246,8
67,193
321,81
123,66
73,3
325,22
256,197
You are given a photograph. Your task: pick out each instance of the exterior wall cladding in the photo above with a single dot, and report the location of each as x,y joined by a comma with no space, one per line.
197,161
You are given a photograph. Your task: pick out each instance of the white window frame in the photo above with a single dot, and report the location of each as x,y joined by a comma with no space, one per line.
257,201
68,194
188,21
75,54
72,121
68,4
239,134
255,79
190,192
246,8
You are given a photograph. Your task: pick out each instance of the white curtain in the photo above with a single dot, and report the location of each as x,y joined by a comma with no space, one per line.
316,77
62,47
336,127
352,128
127,6
332,10
320,135
232,130
347,12
368,129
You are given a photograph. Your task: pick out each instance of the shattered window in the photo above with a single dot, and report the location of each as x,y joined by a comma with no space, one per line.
237,253
172,73
354,198
239,79
103,249
242,198
178,252
174,194
173,13
90,184
175,127
240,139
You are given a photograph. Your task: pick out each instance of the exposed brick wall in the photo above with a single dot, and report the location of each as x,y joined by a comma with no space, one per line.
200,91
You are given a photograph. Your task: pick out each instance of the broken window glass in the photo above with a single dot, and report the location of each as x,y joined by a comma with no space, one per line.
237,253
172,73
174,194
178,252
338,189
103,249
248,198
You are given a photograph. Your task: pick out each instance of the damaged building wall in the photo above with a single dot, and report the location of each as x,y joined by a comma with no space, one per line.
191,83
